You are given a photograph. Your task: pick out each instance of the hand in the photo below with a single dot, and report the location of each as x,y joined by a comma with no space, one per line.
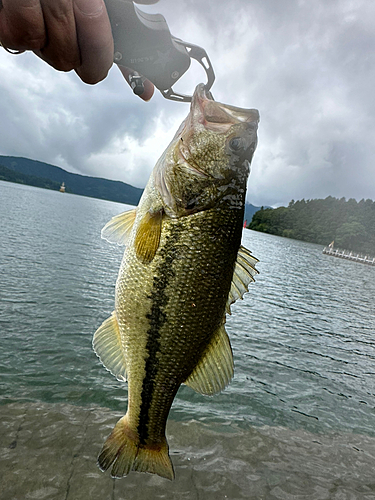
67,34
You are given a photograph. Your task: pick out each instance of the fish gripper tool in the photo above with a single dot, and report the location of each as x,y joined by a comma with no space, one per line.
144,43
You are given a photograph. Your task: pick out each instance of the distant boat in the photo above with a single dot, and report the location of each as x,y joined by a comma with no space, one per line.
62,188
348,255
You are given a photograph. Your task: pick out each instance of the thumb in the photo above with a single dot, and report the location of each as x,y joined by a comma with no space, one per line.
148,86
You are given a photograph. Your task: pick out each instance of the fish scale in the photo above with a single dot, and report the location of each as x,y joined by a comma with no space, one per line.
182,268
189,317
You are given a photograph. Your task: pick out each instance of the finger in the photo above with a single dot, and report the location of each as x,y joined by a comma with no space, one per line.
149,87
22,25
94,39
61,50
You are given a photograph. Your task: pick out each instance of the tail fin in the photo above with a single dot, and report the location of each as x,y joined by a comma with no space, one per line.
123,449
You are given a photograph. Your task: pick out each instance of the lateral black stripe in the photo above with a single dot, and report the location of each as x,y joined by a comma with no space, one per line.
157,318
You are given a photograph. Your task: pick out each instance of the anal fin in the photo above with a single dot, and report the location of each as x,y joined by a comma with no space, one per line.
215,369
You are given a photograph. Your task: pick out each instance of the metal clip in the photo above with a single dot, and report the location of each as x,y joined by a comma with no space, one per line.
200,55
136,83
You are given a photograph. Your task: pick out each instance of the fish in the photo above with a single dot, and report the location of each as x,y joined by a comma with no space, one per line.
183,267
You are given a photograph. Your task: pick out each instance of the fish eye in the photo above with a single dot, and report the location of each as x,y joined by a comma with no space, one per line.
236,143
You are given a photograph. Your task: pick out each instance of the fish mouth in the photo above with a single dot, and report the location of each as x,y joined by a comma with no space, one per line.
217,116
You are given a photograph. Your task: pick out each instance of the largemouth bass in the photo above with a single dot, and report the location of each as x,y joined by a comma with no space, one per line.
182,268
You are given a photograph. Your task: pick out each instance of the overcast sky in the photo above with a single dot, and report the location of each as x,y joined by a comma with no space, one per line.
307,66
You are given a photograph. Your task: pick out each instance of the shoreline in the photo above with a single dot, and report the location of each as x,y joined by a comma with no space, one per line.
49,451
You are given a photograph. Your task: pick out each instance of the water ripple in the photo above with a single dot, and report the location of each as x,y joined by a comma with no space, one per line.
302,338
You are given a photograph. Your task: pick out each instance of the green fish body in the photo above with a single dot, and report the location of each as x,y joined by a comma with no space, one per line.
182,268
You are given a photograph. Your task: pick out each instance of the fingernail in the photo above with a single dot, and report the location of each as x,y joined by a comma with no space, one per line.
90,7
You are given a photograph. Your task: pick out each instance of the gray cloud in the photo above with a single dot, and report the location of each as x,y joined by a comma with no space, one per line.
307,66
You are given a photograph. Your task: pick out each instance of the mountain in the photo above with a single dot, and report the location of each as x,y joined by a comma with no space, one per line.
6,174
28,171
250,211
37,173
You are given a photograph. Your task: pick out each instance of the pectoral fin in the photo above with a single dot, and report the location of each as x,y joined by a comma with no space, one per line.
215,369
118,229
243,275
108,347
147,238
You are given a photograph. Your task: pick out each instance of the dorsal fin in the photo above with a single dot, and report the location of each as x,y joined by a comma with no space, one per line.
243,275
108,347
215,369
118,229
147,238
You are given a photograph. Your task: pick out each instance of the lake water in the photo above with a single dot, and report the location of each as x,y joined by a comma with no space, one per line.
297,421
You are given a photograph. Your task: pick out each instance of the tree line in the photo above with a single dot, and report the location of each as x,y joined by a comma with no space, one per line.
37,173
350,224
6,174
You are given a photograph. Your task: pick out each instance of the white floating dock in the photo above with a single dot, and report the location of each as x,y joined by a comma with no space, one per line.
348,255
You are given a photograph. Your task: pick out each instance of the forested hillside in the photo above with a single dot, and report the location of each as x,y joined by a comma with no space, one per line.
51,177
36,173
6,174
250,211
350,224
